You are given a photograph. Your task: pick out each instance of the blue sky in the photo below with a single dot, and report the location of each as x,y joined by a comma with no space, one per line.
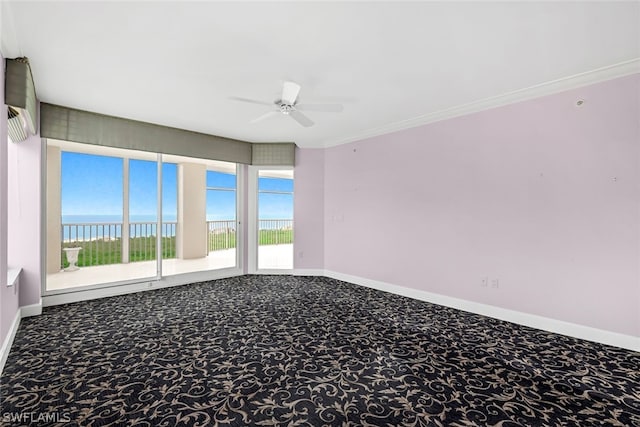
92,185
275,205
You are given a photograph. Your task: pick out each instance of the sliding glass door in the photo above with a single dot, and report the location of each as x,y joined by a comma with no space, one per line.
141,220
101,215
222,216
275,219
106,224
206,226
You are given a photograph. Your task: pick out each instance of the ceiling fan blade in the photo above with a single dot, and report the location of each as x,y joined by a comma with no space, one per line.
300,118
290,92
250,101
323,108
265,116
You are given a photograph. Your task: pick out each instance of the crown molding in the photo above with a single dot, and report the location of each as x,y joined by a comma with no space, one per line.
543,89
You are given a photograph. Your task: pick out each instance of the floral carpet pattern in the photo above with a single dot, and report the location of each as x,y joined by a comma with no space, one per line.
284,350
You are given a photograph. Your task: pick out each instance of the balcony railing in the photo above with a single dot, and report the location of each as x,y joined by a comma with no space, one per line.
102,243
275,231
221,235
142,240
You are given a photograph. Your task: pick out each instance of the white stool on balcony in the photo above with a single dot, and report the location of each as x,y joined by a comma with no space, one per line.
72,257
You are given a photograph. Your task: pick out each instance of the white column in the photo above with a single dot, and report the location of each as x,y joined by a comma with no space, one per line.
191,236
54,210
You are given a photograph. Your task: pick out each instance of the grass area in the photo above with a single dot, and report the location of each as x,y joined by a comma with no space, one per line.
104,252
275,237
221,241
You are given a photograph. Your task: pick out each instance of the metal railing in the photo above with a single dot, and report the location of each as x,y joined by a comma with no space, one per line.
221,235
275,231
142,240
102,242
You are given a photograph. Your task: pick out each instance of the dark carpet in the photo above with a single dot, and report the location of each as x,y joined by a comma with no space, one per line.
282,350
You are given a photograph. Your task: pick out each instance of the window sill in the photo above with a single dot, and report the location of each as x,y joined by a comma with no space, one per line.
12,276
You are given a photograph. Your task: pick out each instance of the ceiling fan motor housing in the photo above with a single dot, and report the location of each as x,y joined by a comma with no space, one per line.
285,108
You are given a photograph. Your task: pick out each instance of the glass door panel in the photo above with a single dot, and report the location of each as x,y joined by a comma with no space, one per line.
205,209
103,212
98,215
169,209
275,219
221,218
142,218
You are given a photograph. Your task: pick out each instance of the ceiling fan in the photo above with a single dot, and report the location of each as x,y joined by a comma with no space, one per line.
288,105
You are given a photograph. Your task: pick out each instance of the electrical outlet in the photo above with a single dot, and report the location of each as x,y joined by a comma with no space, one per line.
301,254
484,282
495,284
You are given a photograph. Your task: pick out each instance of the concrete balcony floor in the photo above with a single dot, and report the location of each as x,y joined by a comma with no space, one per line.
269,257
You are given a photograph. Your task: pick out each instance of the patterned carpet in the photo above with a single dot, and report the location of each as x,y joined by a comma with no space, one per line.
281,350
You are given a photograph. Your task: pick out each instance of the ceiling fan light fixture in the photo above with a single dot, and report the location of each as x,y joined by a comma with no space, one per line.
285,108
288,105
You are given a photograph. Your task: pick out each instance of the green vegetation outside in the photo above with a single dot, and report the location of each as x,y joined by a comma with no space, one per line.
104,252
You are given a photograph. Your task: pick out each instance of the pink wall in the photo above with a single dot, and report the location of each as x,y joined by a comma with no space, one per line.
542,195
8,296
24,216
309,209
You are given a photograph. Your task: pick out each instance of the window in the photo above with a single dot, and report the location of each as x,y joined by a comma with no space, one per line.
106,224
275,219
221,216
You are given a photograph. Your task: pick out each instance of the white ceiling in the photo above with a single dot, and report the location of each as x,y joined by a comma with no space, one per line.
177,63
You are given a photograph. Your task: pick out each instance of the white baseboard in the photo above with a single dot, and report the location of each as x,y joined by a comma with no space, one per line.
275,271
308,272
531,320
8,340
31,310
26,311
166,282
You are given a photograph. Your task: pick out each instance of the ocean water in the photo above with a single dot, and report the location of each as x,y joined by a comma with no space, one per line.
92,227
104,219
